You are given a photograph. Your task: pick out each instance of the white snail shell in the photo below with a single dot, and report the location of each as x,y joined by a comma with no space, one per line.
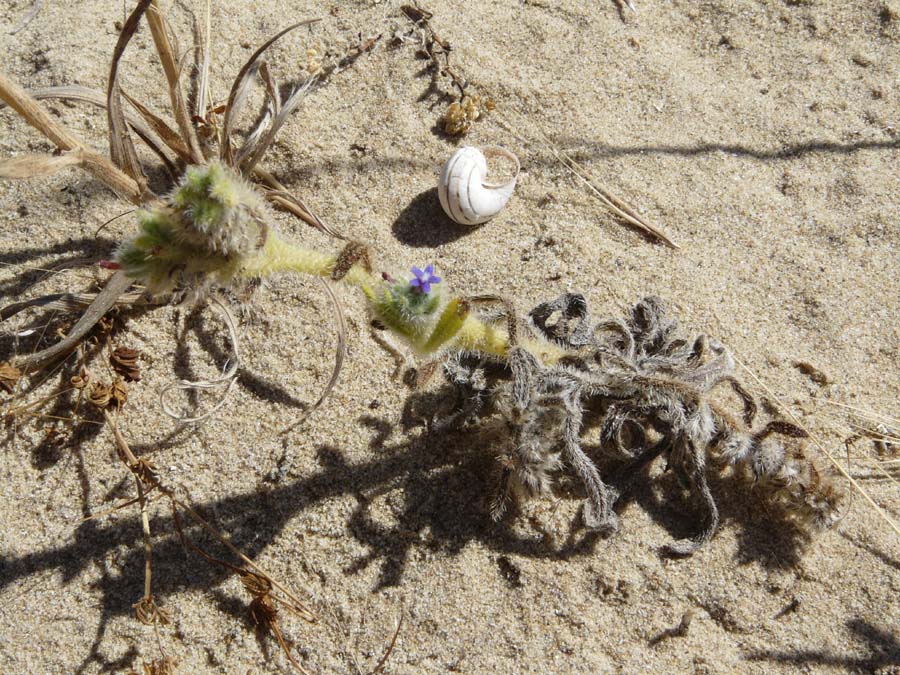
464,194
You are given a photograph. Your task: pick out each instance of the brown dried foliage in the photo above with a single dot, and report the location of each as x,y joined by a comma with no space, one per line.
124,361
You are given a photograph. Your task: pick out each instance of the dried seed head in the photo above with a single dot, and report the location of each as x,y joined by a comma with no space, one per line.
255,583
124,361
148,612
145,470
459,116
100,394
165,666
81,380
118,394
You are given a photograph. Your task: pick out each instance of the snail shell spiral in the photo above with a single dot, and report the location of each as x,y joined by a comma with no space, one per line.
465,195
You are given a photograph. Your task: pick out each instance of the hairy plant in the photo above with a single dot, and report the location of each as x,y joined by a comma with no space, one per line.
653,393
215,214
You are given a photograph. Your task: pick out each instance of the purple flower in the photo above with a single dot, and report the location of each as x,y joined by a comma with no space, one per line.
423,280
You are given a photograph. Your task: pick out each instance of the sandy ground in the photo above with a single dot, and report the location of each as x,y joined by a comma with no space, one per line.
764,136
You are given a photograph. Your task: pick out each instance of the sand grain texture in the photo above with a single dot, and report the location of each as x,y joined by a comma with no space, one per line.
763,136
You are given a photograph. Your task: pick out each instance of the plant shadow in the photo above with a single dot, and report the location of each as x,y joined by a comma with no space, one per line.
435,483
880,647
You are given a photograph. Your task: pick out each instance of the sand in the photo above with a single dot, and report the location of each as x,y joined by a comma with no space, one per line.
764,137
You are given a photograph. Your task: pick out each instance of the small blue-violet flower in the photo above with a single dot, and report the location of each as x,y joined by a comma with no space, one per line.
422,282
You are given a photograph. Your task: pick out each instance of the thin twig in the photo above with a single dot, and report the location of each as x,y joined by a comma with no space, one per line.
382,662
612,203
130,459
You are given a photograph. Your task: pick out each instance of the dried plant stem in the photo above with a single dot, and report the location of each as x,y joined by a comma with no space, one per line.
104,301
31,111
131,461
382,662
119,507
170,66
281,197
870,414
612,203
145,526
298,606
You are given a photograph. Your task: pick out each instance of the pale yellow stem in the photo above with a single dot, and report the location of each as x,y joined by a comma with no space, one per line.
280,256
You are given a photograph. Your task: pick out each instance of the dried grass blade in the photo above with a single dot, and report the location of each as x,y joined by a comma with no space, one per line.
382,662
238,93
76,92
119,507
30,166
254,136
874,433
121,147
27,107
173,75
870,414
280,196
118,283
67,302
272,90
610,201
280,118
166,133
340,352
273,106
203,84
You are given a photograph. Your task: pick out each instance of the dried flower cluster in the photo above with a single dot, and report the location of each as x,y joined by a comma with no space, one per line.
460,115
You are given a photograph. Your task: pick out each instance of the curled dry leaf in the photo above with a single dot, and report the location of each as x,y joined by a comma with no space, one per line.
124,361
100,394
119,393
81,380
